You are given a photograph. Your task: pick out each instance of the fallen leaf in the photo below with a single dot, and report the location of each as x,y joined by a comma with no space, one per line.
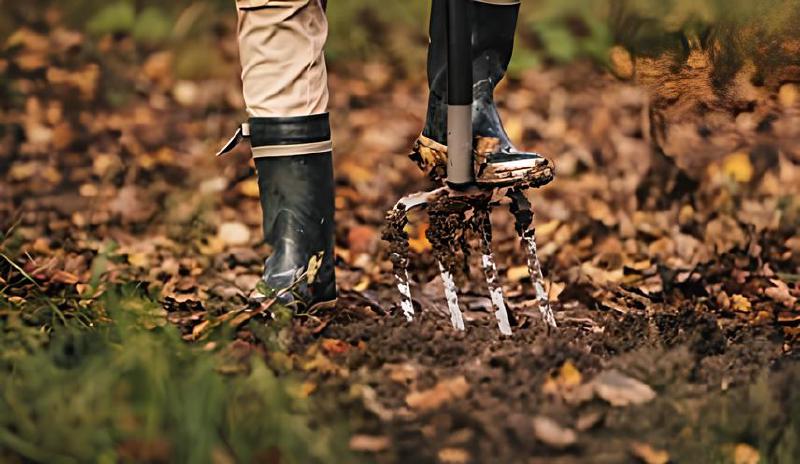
453,456
419,243
568,377
314,265
740,303
334,346
745,454
444,392
620,390
249,188
552,434
517,273
64,277
402,373
362,239
780,293
738,167
787,95
648,454
369,443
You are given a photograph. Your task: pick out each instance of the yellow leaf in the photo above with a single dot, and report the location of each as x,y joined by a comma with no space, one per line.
740,303
444,392
569,375
648,454
307,388
745,454
138,260
517,273
249,188
738,167
314,265
419,243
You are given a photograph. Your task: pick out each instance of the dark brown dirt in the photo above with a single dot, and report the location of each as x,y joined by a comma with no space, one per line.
689,359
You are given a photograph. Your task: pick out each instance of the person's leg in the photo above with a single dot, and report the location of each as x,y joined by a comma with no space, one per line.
493,26
286,93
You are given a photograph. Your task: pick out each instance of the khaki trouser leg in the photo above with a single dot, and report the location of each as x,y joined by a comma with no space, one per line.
283,66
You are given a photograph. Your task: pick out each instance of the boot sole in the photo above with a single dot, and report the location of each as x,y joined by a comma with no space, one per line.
431,157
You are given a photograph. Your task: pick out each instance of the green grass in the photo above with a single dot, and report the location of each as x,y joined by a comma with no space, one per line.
111,381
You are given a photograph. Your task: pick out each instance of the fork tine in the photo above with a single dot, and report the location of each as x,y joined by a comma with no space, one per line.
397,237
523,213
484,225
452,298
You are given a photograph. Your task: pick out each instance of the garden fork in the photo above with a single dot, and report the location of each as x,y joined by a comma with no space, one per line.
461,207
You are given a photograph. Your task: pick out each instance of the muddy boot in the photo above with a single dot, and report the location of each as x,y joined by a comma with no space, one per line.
295,181
497,161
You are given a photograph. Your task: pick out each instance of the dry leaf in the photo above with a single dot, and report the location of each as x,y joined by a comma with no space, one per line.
444,392
369,443
648,454
568,377
517,273
453,456
740,303
334,346
738,167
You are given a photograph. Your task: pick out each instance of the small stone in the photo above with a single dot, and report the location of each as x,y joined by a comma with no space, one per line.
234,233
552,434
621,390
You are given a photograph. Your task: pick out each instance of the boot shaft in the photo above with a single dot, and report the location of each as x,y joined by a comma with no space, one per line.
493,28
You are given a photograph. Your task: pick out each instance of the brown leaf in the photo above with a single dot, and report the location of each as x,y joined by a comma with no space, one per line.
780,293
362,239
648,454
64,277
444,392
334,346
369,443
453,456
745,454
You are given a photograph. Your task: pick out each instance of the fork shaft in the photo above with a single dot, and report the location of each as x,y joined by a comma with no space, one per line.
459,95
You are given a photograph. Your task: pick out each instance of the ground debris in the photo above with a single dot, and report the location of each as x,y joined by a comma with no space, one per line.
552,434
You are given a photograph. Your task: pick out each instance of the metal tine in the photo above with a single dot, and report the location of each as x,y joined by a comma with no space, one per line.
395,234
523,213
484,227
406,303
450,292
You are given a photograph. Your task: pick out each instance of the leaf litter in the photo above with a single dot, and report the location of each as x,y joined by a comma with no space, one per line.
676,260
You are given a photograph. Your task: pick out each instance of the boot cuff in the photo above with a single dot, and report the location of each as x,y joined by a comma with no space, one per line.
298,135
289,136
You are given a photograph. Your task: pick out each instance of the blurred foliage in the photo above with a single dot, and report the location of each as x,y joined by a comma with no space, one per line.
396,32
129,389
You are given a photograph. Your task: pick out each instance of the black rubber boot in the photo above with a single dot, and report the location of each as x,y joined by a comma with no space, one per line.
297,201
497,160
